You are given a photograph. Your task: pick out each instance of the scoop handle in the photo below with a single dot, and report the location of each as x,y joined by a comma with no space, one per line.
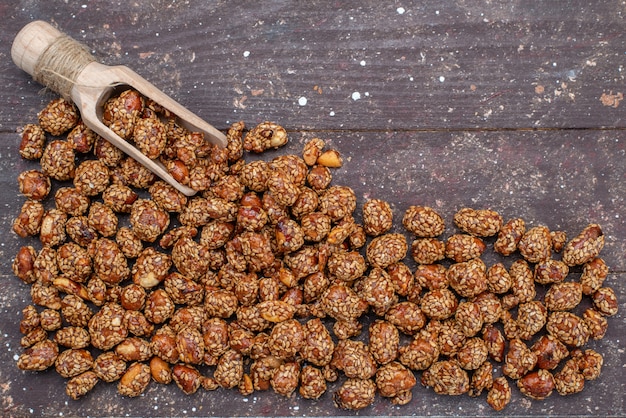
51,57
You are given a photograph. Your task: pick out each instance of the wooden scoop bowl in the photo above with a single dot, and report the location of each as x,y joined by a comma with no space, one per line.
77,76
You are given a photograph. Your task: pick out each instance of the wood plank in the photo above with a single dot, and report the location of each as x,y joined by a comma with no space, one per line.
435,66
467,103
561,179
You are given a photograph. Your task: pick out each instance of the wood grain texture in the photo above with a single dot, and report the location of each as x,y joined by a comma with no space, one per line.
445,65
462,103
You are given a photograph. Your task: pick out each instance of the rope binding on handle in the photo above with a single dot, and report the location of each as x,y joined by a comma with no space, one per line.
61,63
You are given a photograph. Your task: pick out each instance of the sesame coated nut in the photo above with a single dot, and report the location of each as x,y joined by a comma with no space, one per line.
394,379
82,138
551,271
596,322
423,221
312,383
499,395
34,184
439,303
318,345
285,379
134,174
106,152
121,112
478,222
563,296
346,266
312,150
354,359
80,385
536,244
401,277
39,357
109,367
50,320
568,328
130,245
286,339
28,221
58,117
229,369
119,197
80,231
538,384
605,301
32,142
406,316
421,352
569,379
595,272
473,354
102,218
482,378
74,262
24,264
585,246
57,160
589,362
428,250
519,359
469,317
135,380
91,177
377,217
320,177
306,203
73,337
73,362
509,236
384,341
337,202
355,394
150,137
264,136
71,201
342,303
450,337
52,232
495,342
549,351
446,377
464,247
109,262
522,286
107,328
468,278
32,337
498,279
386,250
148,220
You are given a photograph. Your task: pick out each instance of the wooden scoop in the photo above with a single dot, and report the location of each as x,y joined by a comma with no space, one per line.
66,66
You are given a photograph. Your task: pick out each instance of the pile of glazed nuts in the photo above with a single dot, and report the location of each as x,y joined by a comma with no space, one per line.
264,280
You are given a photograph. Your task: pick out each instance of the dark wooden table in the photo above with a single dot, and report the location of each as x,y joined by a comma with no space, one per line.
513,105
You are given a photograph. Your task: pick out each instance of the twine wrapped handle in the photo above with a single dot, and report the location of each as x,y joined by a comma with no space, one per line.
50,57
